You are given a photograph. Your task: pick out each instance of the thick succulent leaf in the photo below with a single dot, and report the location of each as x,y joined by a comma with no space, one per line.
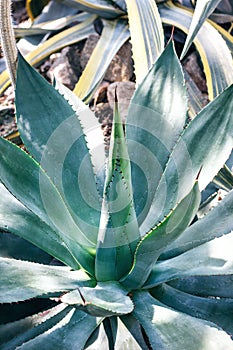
214,310
154,243
201,151
224,179
16,218
57,42
102,8
105,300
170,329
16,333
216,286
156,117
215,55
211,258
225,34
44,119
203,10
72,332
98,339
114,35
146,35
40,196
118,233
216,223
123,338
135,329
22,280
91,128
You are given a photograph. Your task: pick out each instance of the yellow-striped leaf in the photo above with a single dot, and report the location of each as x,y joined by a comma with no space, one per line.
113,36
214,53
146,35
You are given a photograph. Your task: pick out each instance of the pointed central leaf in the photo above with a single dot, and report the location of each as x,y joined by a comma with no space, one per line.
119,232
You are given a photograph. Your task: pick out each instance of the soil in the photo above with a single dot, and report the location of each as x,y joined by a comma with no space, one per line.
68,64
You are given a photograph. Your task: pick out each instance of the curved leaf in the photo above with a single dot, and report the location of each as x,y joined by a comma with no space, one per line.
67,37
105,300
16,218
203,10
153,244
216,223
118,232
44,119
114,35
215,55
167,328
72,332
214,310
102,8
146,35
196,152
211,258
206,286
22,280
41,197
16,333
156,117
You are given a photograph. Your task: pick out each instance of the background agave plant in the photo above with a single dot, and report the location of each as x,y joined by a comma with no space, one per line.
138,271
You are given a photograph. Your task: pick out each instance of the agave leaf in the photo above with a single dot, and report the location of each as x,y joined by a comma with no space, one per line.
98,339
214,310
101,8
51,25
146,35
211,258
91,128
215,55
154,243
224,179
41,197
214,224
135,329
114,35
22,280
203,10
167,328
105,300
16,333
217,286
156,117
124,338
119,232
195,153
44,119
225,34
16,218
67,37
72,332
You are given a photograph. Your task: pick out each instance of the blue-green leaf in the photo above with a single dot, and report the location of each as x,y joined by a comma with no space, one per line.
156,117
214,224
22,280
105,300
154,243
211,258
119,232
170,329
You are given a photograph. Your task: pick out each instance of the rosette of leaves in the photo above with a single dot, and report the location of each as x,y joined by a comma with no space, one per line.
133,267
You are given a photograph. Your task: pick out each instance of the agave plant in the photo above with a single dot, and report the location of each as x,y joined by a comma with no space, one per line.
133,266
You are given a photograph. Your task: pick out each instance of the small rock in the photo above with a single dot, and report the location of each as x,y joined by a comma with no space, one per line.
66,67
121,67
192,67
124,91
